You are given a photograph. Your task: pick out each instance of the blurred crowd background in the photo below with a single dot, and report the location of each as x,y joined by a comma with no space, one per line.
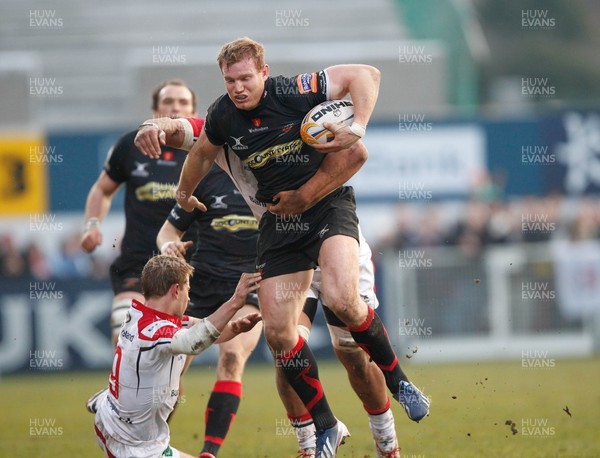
504,90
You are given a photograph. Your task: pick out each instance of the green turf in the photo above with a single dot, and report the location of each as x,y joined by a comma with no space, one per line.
44,415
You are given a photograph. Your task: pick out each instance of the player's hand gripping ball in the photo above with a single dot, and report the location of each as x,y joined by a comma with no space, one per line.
334,111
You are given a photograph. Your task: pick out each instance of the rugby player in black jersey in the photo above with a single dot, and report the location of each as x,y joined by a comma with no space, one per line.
149,197
366,379
224,249
259,119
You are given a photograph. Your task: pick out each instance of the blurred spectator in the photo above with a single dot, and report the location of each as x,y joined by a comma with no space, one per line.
471,233
12,262
37,265
585,224
71,262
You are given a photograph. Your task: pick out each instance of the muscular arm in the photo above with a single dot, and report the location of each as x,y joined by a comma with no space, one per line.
196,166
334,171
97,206
362,83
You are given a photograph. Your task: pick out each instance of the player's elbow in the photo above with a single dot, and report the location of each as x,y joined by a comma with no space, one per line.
374,73
359,154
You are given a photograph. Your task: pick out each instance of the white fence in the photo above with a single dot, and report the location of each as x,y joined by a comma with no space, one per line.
533,302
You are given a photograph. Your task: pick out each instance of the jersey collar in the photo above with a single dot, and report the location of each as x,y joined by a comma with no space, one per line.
147,310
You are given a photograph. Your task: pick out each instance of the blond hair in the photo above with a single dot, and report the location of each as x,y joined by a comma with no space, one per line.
240,49
160,272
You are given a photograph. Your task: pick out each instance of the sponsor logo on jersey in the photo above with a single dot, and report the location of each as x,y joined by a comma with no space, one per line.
258,129
260,158
324,231
154,191
140,169
238,143
234,223
256,122
256,201
307,82
127,335
218,203
287,127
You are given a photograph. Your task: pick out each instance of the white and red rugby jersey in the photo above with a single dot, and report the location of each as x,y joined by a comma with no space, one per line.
144,381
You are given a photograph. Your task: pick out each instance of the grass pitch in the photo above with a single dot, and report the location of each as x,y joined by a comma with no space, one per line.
478,410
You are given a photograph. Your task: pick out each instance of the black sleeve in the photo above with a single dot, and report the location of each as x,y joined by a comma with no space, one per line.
181,219
213,127
115,165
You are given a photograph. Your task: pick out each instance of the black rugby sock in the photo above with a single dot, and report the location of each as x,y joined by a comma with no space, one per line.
372,337
222,406
300,369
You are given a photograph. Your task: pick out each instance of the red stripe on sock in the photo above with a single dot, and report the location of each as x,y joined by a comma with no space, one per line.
301,419
390,367
365,324
215,440
381,410
293,352
314,383
228,386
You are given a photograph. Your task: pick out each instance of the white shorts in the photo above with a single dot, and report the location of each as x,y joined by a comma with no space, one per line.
114,449
366,279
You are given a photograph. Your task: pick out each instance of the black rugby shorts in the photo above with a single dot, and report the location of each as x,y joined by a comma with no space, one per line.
288,244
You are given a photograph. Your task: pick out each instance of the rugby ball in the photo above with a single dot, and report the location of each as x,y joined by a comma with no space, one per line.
312,130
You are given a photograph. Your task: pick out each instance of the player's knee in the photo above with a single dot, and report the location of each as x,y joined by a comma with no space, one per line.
346,305
281,339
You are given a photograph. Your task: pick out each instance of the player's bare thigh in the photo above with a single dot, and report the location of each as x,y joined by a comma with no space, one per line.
281,300
338,259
